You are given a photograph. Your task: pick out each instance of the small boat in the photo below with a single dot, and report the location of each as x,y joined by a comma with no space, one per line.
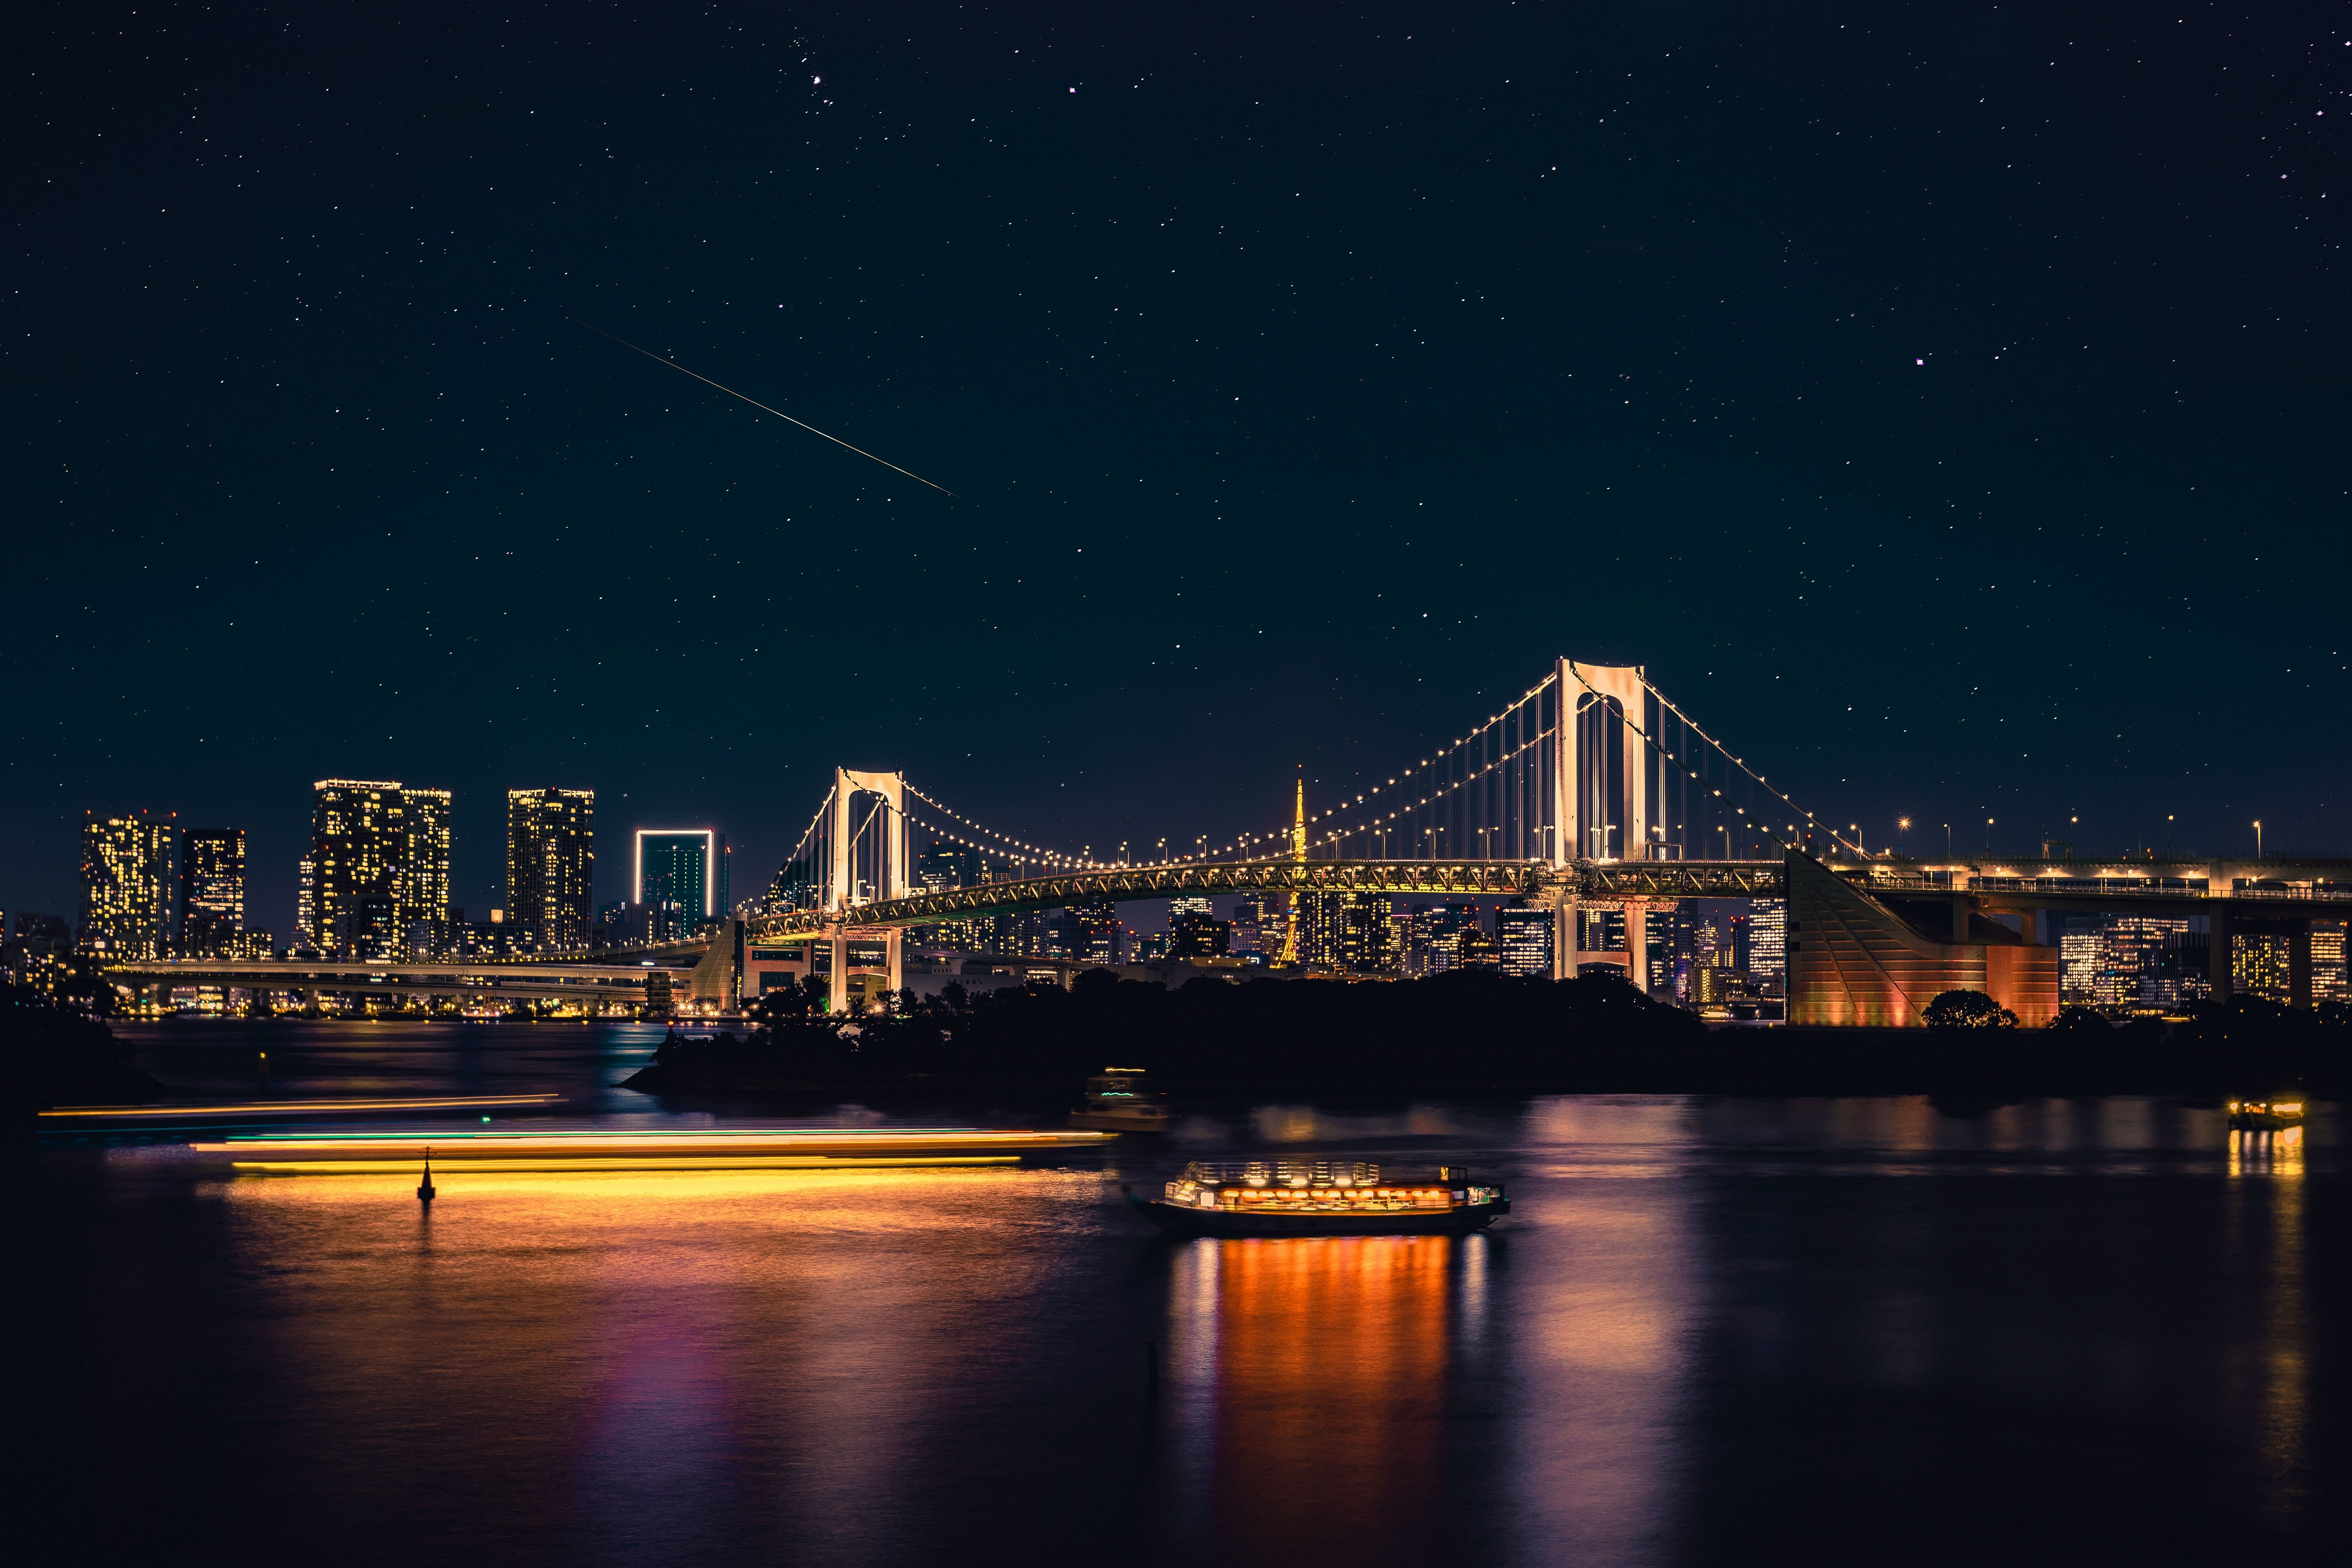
1120,1101
1320,1197
2274,1114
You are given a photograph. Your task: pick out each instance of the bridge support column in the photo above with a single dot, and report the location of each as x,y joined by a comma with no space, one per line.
2219,968
837,1000
895,958
1564,923
1637,944
2298,966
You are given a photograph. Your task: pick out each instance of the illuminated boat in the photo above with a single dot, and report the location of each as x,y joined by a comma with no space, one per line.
1120,1101
1299,1197
2272,1115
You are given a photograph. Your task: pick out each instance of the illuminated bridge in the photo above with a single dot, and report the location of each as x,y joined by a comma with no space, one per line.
1591,789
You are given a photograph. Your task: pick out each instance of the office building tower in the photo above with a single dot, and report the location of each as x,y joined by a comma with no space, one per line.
306,905
380,862
130,885
550,866
1475,949
683,866
945,867
2083,966
212,890
2258,967
1525,936
1364,934
1179,908
1437,935
2327,976
1767,945
1322,929
1099,931
1199,934
424,880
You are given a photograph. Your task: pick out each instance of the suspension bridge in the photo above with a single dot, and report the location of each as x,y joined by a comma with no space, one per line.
1591,789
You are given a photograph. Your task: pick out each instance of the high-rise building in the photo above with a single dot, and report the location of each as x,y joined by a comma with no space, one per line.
1179,908
1196,933
2327,976
1099,931
1767,945
551,865
1322,929
2259,966
212,890
1524,935
945,867
379,863
2082,963
686,866
306,905
130,885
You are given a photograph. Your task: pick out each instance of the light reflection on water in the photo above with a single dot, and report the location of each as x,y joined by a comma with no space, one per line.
1707,1325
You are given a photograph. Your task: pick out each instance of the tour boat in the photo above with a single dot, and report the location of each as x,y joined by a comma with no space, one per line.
2267,1115
1299,1197
1120,1101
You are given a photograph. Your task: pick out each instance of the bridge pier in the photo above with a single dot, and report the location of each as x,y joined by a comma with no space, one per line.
2298,966
1637,944
2218,968
1565,934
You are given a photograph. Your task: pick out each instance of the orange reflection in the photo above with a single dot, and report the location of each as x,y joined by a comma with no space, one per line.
1330,1386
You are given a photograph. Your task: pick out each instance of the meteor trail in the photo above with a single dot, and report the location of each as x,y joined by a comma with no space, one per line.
765,409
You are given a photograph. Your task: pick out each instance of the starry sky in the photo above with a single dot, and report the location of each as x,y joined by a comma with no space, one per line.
1945,403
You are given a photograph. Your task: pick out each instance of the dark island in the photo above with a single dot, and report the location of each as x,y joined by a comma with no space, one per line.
54,1050
1475,1033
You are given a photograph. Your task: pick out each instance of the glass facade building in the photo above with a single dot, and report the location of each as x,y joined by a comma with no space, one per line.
684,866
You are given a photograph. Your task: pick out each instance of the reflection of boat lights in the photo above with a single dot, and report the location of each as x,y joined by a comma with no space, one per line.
683,1150
310,1107
620,1162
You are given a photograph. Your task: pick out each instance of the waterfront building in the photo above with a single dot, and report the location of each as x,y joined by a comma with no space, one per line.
1475,949
551,865
1525,936
212,890
1179,908
686,866
1437,935
130,885
380,862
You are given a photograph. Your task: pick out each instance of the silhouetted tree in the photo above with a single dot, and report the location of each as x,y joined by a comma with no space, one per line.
2081,1023
1968,1010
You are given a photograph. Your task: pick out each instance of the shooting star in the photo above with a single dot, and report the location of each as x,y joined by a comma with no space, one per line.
765,409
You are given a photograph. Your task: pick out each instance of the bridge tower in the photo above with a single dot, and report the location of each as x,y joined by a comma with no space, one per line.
1289,955
891,880
1603,709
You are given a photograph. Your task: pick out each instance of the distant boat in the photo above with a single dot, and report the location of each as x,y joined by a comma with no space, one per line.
2269,1115
1120,1100
1297,1197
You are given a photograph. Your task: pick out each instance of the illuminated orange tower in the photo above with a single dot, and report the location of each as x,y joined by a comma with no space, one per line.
1298,853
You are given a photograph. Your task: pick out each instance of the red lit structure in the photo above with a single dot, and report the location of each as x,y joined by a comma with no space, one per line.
1858,958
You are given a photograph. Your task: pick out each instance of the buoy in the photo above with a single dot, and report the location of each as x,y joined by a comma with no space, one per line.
424,1188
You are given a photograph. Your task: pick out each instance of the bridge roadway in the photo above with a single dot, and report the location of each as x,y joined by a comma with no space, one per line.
2304,889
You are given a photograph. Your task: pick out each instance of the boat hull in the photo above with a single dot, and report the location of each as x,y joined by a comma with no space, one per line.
1178,1220
1111,1121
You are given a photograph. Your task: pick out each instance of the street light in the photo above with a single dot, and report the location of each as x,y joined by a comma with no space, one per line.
1902,826
1987,835
2258,838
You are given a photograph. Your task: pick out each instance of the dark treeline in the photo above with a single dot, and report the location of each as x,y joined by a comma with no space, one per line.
55,1053
1471,1033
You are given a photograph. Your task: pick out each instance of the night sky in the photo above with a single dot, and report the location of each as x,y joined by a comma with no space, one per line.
1947,403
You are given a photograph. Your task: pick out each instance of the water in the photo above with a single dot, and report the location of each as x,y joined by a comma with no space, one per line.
1712,1331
